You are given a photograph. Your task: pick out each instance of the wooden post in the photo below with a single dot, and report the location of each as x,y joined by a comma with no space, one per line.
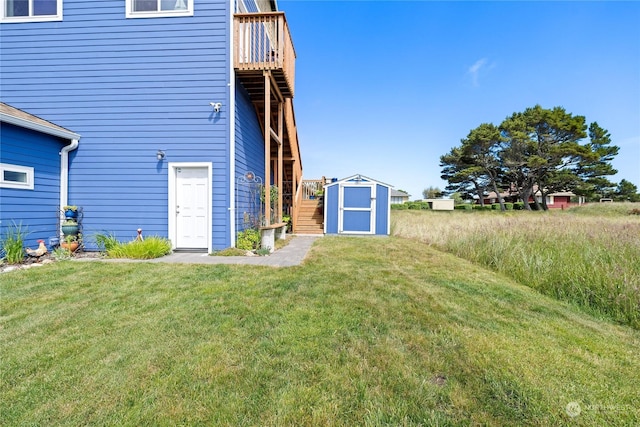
280,153
267,149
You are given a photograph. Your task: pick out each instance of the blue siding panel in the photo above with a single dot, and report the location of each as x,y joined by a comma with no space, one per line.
331,199
249,156
130,87
382,209
38,209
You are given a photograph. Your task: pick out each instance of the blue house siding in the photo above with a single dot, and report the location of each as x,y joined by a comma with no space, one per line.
38,209
249,146
130,87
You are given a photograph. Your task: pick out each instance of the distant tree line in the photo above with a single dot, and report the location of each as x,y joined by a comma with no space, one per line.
541,150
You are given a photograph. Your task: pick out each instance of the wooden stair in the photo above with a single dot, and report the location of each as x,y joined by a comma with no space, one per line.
310,218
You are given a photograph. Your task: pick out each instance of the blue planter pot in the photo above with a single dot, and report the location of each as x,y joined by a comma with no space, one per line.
70,214
69,230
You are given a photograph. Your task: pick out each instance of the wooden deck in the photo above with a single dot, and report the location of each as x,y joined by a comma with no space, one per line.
263,43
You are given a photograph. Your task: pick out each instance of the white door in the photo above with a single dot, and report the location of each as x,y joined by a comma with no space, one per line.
192,207
357,214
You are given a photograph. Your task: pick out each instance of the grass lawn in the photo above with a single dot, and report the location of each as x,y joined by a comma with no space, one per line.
369,331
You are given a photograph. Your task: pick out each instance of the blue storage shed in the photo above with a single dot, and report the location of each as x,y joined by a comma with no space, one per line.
357,205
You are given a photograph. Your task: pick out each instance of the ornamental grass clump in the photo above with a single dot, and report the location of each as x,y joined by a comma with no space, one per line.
149,248
12,248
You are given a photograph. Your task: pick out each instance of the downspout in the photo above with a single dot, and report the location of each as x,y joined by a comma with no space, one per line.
64,171
232,129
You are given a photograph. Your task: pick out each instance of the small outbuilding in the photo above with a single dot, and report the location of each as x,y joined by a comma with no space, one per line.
34,172
357,205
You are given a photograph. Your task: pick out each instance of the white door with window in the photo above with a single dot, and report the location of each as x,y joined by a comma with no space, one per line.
190,206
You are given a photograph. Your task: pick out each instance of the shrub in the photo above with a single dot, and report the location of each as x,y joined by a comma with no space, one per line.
518,206
508,206
495,206
248,239
13,243
399,206
418,205
464,207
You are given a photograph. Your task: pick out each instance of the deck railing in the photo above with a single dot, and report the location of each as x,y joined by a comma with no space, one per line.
310,188
263,42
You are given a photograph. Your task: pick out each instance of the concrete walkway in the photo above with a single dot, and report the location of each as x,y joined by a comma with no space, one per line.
289,256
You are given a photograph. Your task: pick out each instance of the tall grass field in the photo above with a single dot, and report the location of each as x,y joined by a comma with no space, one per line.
587,255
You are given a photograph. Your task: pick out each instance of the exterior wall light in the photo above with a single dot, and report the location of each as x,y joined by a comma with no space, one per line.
160,155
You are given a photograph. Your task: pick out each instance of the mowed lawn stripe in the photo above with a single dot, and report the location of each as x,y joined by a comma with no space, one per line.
368,331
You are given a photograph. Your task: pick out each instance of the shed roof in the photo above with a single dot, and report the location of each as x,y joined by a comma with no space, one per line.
358,177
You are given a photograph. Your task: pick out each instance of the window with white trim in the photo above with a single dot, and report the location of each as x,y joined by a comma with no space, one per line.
159,8
31,10
14,176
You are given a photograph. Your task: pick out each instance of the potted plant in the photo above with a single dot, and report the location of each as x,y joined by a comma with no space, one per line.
70,243
320,195
70,212
69,227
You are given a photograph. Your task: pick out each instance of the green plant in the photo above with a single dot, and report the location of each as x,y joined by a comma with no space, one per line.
106,241
70,208
61,254
13,243
418,205
70,222
263,251
229,252
248,239
399,206
274,193
464,207
149,248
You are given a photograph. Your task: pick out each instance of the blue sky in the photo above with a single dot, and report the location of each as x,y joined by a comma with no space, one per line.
384,88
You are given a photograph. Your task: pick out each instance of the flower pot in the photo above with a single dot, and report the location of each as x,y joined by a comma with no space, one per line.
70,230
70,246
70,214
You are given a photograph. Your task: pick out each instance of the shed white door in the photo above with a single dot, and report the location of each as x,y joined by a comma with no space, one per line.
192,207
357,209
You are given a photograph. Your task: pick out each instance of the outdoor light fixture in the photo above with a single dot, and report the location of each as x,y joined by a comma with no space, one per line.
160,155
216,106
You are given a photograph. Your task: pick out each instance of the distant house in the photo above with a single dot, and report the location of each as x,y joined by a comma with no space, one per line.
399,197
34,171
182,106
558,200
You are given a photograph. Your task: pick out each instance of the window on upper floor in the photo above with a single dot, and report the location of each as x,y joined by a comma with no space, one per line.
14,176
31,10
158,8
